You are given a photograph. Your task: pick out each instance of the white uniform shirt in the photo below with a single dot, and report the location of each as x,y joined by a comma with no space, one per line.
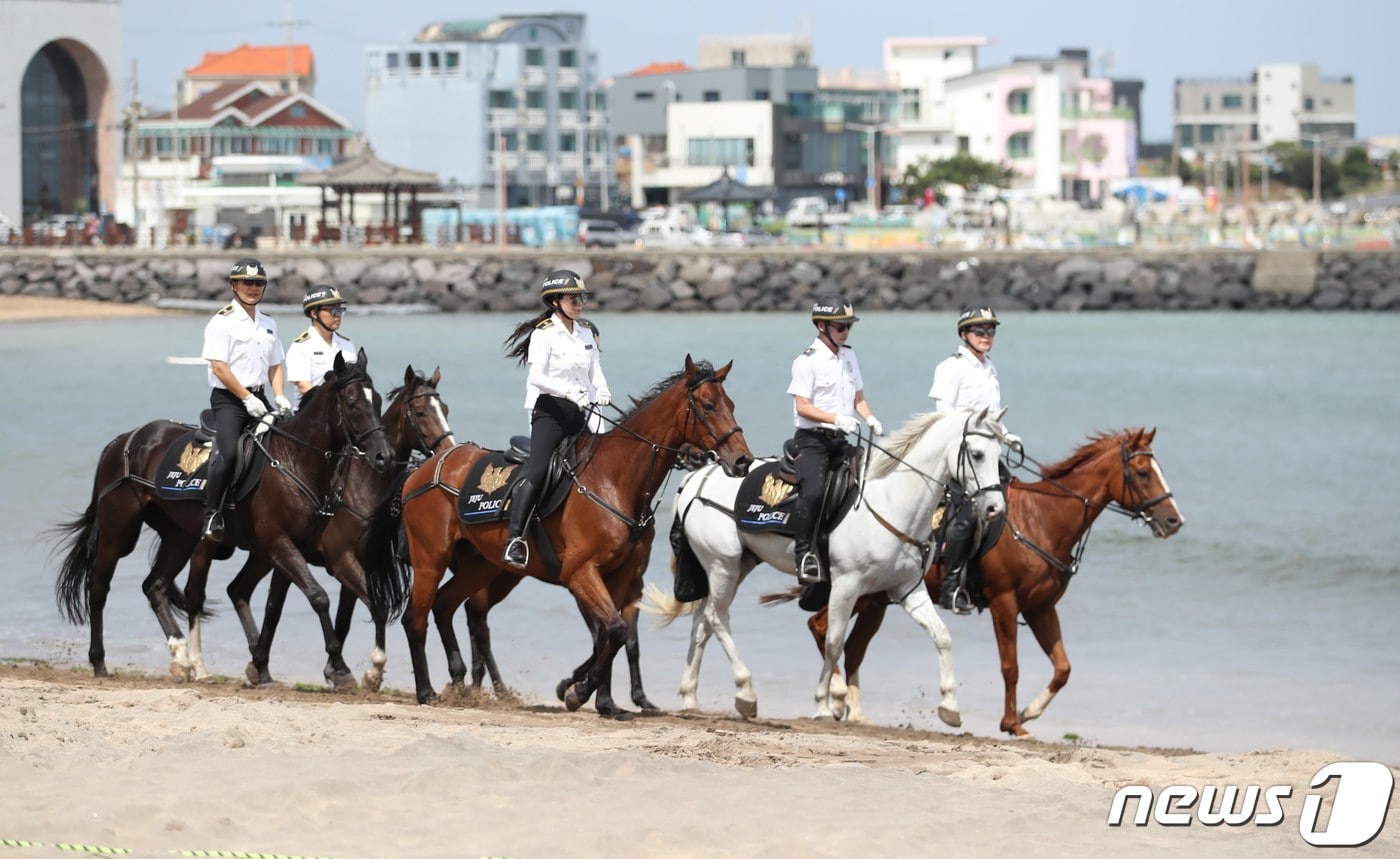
961,381
310,357
250,346
560,360
830,381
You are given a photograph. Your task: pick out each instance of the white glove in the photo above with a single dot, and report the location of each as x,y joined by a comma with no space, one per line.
604,395
256,407
578,396
875,425
1013,441
263,425
284,405
846,424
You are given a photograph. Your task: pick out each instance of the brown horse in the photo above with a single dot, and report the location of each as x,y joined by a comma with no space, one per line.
595,532
1029,568
277,520
353,546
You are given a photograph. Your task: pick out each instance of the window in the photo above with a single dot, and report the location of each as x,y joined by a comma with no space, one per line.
501,98
568,142
452,59
719,152
711,95
1018,101
534,56
1207,134
568,58
1019,145
1094,148
297,111
736,58
391,60
325,147
645,95
1205,103
1232,102
761,95
568,99
494,140
534,141
1308,103
534,99
909,109
415,61
435,62
964,145
1187,136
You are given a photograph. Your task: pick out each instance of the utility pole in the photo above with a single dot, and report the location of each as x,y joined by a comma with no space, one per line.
291,23
129,118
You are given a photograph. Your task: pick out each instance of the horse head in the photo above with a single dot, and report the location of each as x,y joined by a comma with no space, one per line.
710,424
416,418
348,405
974,462
1143,491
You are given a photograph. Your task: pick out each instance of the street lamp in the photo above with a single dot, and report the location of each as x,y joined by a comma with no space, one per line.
872,159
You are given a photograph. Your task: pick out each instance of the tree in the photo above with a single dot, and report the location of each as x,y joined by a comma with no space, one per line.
1357,170
1293,166
962,169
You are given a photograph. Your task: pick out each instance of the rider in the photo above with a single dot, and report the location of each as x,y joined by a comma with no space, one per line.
244,355
966,379
565,379
827,390
312,353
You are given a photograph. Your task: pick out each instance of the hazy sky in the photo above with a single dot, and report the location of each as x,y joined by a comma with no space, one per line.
1153,42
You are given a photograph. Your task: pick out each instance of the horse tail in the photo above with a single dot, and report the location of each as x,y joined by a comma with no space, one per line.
388,573
657,602
71,590
780,597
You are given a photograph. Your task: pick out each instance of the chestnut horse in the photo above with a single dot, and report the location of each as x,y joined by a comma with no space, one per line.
1029,568
353,546
278,519
595,532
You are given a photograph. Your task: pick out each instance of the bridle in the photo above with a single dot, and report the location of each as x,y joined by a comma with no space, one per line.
424,445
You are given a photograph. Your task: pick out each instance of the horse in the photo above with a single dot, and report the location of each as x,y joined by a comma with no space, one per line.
277,518
353,546
595,531
882,544
1027,571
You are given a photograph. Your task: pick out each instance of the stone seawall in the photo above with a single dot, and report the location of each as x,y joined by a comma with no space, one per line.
714,280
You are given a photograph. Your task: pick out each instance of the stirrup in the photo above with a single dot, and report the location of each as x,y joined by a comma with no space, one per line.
961,602
214,525
510,555
809,569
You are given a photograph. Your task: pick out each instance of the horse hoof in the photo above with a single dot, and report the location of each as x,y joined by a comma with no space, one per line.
373,681
572,700
562,690
181,673
252,675
343,681
747,709
646,705
951,718
428,697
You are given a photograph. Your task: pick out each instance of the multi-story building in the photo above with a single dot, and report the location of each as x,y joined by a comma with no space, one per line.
511,102
1055,126
59,111
1278,102
921,68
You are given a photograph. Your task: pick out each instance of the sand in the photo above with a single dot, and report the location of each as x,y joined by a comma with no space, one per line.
28,308
157,768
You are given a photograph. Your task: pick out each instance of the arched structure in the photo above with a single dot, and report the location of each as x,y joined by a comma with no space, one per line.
59,113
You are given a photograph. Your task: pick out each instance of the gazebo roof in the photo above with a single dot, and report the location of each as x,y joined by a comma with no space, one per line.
367,171
726,189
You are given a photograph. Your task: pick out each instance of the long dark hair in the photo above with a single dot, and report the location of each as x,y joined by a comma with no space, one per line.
518,343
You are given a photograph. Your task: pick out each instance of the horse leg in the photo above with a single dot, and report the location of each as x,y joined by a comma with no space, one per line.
1046,626
157,587
479,630
240,593
634,660
700,632
870,614
829,697
289,562
920,608
449,596
190,665
603,701
586,584
716,615
112,545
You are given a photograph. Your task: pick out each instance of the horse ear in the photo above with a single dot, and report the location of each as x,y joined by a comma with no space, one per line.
338,365
437,375
982,415
363,360
724,371
1001,414
689,365
1148,436
408,376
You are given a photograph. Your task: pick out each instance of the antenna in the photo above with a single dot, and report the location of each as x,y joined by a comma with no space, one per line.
291,24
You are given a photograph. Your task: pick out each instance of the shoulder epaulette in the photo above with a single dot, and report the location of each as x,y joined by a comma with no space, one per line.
545,323
303,337
587,323
809,350
228,308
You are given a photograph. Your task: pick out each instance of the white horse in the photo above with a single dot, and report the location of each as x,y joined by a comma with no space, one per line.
882,544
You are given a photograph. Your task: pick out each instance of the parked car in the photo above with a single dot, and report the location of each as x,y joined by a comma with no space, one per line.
666,234
604,234
747,237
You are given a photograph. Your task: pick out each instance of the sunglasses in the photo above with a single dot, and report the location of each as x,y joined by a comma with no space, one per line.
576,298
839,326
983,332
334,311
260,284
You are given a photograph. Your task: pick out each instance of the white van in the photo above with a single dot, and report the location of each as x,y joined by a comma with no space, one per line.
807,211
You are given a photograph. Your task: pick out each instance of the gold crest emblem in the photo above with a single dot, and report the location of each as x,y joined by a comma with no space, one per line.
192,457
938,516
494,478
774,491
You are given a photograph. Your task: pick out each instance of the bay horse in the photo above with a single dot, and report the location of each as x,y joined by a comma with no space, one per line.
353,546
337,422
595,532
882,544
1027,571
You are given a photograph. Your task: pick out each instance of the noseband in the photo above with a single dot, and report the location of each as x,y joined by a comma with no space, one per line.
695,413
1138,511
424,445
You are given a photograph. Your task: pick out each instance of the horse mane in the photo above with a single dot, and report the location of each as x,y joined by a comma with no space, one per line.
889,455
1087,451
419,379
703,371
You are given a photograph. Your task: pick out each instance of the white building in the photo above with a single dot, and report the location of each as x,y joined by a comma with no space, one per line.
922,67
1278,102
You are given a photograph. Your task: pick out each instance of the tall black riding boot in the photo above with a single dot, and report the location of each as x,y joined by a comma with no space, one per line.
522,505
956,552
807,563
215,485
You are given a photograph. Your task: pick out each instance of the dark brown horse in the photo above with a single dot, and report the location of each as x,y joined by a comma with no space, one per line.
337,422
353,546
596,532
1029,568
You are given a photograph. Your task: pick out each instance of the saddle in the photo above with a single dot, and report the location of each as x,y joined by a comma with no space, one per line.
987,538
486,490
184,467
763,503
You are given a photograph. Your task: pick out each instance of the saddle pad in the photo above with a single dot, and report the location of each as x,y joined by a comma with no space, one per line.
183,470
485,491
765,501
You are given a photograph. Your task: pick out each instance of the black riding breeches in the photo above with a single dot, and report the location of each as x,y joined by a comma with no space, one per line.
816,449
230,419
553,420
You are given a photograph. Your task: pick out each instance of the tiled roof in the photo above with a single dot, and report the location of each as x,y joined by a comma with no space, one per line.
660,69
247,61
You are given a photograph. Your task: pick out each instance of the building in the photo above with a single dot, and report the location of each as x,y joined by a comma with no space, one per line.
59,111
1279,102
921,68
509,103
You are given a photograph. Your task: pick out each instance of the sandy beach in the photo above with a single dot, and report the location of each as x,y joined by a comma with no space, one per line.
28,308
144,765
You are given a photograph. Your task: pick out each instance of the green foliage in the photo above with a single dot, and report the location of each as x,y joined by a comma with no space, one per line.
1292,164
962,169
1357,170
